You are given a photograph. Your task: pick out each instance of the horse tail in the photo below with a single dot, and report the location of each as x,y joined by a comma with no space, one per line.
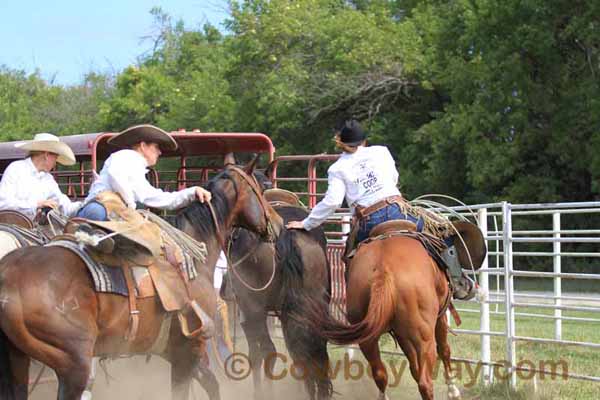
292,273
7,384
379,314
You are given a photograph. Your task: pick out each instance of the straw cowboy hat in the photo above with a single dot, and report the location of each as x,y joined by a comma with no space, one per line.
143,133
52,144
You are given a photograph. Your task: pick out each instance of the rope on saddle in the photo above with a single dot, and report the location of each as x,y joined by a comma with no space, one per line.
188,244
434,224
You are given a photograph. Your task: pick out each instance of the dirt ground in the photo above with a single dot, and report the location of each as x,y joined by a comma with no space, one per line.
134,379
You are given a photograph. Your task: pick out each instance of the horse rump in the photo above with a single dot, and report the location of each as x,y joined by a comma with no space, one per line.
376,321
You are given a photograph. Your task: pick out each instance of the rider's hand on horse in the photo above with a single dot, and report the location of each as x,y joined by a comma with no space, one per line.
203,195
47,203
295,225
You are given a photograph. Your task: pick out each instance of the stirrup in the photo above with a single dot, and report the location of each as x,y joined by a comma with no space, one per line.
195,322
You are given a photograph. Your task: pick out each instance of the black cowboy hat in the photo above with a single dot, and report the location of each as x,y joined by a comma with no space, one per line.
351,133
143,133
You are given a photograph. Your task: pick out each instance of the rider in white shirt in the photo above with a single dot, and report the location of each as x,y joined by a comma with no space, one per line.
367,178
363,175
27,185
124,172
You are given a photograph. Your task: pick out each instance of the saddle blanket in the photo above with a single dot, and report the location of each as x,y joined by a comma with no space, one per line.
106,279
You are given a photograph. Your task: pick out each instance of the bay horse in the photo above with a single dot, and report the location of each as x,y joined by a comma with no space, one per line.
51,312
395,286
263,285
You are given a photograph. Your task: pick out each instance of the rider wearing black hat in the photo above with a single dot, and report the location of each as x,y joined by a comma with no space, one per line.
363,176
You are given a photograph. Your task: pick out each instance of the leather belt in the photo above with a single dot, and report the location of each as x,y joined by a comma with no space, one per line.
362,212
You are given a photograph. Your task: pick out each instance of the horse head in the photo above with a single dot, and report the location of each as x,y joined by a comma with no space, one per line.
243,192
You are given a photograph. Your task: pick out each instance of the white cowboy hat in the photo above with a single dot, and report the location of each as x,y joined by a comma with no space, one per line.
52,144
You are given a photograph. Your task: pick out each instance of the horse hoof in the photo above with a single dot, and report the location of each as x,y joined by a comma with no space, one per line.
453,393
86,395
383,396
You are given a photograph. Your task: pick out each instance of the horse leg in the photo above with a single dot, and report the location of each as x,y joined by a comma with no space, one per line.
443,349
20,369
416,338
310,353
73,377
259,344
268,354
371,352
183,366
207,380
320,359
189,360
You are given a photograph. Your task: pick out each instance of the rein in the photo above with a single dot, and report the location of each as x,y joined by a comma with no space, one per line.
271,234
244,258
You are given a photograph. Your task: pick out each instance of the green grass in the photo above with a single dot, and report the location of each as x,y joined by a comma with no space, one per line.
578,360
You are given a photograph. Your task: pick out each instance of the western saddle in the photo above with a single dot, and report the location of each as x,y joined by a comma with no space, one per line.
136,241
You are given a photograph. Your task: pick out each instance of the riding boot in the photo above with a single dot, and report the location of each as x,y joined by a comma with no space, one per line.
464,287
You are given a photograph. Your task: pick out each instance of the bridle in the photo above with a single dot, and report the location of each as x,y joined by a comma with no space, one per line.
271,237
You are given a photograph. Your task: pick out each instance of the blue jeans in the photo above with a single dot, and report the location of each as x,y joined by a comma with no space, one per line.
94,211
388,213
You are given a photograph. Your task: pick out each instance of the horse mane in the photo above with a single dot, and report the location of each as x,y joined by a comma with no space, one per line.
199,214
289,259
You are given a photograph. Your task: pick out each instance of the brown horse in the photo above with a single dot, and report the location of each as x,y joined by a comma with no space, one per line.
50,311
395,286
263,285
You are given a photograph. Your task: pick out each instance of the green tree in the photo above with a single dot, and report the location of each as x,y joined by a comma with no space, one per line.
301,65
29,105
180,84
520,87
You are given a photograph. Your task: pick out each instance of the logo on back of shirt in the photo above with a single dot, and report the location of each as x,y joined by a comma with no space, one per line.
368,179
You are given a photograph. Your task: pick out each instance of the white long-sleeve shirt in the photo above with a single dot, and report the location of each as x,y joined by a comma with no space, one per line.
23,186
124,172
363,177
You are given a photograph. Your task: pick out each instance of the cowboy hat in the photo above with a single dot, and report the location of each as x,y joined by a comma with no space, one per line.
143,133
352,133
472,247
52,144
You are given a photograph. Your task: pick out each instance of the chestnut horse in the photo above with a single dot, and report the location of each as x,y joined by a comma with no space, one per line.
51,312
395,286
263,286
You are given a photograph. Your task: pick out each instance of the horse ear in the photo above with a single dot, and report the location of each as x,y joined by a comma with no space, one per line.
249,168
270,169
229,159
